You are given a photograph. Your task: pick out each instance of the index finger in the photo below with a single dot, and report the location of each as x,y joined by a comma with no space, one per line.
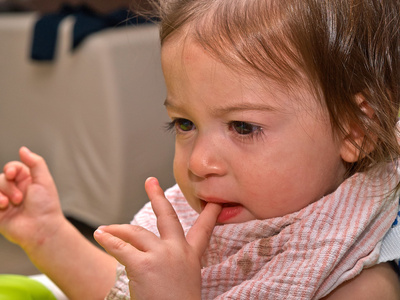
37,166
168,222
199,235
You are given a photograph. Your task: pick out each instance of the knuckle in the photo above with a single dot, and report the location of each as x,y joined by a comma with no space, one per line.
118,245
208,230
10,165
39,159
136,229
171,215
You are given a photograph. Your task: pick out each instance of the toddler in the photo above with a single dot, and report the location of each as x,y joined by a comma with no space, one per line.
286,163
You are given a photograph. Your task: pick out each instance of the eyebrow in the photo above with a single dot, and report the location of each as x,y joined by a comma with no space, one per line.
243,107
231,108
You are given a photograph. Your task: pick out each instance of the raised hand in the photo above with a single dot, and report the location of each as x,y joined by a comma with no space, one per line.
165,267
28,200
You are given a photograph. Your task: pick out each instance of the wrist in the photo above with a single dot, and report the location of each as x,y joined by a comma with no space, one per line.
45,236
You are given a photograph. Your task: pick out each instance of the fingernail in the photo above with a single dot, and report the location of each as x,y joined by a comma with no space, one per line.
100,229
24,148
153,180
149,179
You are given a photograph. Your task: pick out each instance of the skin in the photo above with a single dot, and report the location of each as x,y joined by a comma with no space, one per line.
214,164
30,216
172,260
378,282
286,159
30,213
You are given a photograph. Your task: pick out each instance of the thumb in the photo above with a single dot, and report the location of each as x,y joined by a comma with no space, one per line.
38,168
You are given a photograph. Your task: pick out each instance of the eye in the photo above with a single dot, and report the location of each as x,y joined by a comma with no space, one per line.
244,128
180,125
246,132
184,124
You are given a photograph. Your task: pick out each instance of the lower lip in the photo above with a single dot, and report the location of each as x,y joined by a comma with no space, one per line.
228,213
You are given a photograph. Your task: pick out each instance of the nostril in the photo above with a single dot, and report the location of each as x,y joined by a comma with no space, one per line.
206,157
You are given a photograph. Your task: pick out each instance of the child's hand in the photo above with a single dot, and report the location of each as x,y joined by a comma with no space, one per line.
29,203
161,268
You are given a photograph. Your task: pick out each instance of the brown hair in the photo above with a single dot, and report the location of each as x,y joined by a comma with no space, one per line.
347,49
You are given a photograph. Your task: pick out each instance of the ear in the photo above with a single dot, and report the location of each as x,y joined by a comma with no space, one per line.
353,142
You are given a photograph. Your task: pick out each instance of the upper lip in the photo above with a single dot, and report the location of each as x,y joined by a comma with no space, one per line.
223,202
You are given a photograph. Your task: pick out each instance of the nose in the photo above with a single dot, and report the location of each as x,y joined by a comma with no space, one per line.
207,158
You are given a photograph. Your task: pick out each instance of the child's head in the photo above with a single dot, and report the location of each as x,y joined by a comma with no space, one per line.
276,102
347,50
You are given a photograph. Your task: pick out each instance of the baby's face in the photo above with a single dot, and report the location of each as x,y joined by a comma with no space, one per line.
257,149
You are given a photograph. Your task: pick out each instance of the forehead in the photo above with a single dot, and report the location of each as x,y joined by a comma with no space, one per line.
183,50
186,59
190,71
188,67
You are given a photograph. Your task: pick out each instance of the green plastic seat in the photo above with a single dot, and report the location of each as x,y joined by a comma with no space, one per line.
18,287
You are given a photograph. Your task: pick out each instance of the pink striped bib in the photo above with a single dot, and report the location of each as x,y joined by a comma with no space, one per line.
303,255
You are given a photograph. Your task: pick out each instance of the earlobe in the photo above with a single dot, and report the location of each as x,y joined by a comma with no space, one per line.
354,144
350,150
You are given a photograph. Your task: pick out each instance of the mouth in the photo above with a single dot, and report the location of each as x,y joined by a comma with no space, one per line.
229,204
223,204
229,210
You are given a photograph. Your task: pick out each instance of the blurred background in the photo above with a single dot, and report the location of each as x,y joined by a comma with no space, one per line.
81,85
48,6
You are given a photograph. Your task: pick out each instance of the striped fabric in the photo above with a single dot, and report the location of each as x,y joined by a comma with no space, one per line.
303,255
390,250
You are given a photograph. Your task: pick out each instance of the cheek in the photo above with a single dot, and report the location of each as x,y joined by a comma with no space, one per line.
180,166
257,178
181,175
177,169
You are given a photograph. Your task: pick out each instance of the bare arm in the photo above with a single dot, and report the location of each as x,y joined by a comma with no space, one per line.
31,216
80,269
379,282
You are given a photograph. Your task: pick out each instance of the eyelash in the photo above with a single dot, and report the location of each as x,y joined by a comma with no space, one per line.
256,131
173,125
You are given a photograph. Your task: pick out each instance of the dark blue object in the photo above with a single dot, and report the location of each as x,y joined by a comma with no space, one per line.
86,22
